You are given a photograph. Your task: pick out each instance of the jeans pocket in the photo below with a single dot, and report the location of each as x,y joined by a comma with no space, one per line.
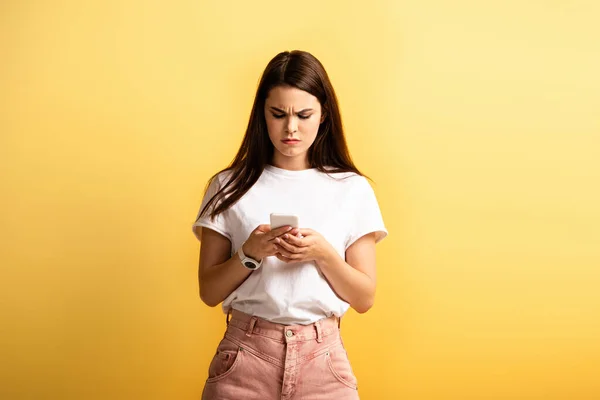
339,365
225,361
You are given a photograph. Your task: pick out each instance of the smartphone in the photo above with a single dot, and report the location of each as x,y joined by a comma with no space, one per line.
279,220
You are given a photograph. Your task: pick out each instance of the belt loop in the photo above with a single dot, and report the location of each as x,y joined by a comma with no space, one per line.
227,317
319,332
251,326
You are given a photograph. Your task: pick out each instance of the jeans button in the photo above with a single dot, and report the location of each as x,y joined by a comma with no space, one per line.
289,333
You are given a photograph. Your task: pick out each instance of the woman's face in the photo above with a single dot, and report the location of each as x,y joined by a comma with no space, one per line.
293,117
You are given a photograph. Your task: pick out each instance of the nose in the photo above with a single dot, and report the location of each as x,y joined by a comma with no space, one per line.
292,125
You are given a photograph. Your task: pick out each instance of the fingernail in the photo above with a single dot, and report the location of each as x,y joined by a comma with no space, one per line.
285,236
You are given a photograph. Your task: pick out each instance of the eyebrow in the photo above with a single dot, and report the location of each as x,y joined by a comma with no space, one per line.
282,111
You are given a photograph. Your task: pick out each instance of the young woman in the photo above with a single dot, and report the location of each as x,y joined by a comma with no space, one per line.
286,288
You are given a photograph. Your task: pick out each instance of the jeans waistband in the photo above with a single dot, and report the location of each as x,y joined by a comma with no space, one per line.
255,325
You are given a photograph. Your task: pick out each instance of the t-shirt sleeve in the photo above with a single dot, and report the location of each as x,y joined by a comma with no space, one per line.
217,224
365,216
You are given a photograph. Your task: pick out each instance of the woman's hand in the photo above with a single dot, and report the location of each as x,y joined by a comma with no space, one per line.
262,241
311,246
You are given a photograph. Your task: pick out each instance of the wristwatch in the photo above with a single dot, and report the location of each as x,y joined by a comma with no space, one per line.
248,262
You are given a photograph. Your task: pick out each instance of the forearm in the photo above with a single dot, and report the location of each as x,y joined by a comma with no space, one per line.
219,281
350,284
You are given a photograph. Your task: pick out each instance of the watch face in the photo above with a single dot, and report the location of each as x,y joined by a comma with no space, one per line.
250,265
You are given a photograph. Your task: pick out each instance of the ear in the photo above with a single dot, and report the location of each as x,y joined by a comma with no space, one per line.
323,115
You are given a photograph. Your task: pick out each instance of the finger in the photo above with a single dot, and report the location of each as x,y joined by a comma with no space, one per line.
287,257
263,228
269,248
306,231
274,240
282,243
296,232
274,249
279,231
287,254
296,241
284,252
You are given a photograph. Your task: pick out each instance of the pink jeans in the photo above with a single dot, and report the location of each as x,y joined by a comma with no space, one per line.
261,360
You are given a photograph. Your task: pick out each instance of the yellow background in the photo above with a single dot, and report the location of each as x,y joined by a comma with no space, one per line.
479,122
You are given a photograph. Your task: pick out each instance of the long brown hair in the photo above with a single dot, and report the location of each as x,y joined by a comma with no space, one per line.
329,152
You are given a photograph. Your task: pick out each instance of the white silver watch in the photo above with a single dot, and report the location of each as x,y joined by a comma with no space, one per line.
248,262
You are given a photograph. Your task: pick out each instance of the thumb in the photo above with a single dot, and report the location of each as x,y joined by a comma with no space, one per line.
265,228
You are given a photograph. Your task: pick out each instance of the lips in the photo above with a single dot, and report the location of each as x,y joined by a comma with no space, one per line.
291,141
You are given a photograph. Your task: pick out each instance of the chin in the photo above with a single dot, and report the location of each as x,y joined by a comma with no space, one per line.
291,153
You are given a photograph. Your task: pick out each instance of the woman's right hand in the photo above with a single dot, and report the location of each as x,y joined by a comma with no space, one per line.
262,241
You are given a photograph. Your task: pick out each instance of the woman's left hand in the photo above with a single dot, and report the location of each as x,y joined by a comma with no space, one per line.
311,247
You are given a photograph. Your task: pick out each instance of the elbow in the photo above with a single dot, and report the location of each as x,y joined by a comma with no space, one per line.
207,299
363,309
364,305
208,302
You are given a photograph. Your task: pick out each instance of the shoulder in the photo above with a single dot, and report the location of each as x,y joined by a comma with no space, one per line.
215,183
220,179
348,179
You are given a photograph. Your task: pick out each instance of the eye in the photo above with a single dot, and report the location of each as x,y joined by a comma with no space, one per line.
279,116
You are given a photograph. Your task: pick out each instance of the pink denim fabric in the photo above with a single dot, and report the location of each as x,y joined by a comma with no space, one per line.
262,360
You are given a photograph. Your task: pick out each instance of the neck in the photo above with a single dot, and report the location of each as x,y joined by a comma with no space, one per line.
292,164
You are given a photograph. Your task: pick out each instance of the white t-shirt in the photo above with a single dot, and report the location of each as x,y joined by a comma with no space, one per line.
342,210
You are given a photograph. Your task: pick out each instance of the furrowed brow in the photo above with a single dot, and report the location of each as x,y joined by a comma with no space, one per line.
282,111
